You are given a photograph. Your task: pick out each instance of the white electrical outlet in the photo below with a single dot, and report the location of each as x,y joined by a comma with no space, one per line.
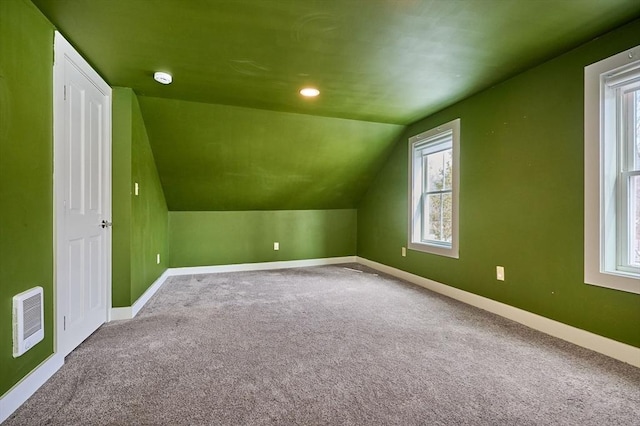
158,258
136,190
276,245
404,252
500,273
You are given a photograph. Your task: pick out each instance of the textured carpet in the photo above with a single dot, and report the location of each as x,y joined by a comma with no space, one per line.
327,345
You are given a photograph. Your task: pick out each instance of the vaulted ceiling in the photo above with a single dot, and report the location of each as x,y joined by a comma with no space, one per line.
374,61
216,157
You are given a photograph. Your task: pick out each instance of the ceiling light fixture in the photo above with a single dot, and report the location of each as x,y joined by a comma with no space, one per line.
309,92
162,77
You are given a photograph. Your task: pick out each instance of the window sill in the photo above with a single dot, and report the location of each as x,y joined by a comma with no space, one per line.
435,249
621,281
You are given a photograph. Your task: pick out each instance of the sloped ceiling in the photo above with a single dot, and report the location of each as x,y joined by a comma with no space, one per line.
216,157
384,61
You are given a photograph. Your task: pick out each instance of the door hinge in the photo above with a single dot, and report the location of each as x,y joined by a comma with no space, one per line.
65,92
64,323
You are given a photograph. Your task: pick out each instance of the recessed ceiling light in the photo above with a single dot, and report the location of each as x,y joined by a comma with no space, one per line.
309,92
162,77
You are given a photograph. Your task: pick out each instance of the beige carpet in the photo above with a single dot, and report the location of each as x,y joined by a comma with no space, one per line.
327,346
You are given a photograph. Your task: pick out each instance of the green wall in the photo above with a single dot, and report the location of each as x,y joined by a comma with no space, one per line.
521,198
219,157
521,190
26,185
121,193
219,238
26,159
149,225
140,223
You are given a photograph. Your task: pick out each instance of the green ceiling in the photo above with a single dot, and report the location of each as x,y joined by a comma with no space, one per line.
232,132
390,61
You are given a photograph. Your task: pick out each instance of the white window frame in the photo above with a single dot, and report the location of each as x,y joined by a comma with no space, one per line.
417,144
604,172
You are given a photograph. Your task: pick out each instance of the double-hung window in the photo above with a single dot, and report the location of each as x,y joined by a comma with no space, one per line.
433,188
612,172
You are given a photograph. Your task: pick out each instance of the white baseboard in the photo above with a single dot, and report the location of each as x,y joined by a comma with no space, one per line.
261,266
118,314
129,312
18,394
612,348
153,289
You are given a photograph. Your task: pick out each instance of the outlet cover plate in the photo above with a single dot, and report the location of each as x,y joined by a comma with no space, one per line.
500,273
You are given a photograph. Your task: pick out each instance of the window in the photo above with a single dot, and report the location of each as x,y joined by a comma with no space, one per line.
433,189
612,172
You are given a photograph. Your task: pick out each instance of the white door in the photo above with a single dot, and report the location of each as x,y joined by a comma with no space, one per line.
82,171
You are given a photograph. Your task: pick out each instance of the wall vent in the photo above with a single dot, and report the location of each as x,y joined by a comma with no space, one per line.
28,320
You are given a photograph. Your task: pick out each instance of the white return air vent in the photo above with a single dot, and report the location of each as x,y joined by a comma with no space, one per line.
28,320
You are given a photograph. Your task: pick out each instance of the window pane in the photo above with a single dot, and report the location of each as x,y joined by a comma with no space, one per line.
437,217
634,219
429,216
435,165
448,168
432,214
447,219
433,204
424,226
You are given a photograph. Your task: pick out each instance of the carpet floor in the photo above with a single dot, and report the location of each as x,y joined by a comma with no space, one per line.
327,346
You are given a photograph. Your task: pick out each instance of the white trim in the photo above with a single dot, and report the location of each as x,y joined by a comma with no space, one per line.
612,348
415,178
261,266
129,312
148,294
117,314
600,269
63,49
21,391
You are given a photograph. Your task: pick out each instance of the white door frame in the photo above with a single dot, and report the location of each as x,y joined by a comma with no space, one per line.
62,49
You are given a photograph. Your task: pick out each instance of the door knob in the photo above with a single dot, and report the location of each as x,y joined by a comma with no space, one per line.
106,224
